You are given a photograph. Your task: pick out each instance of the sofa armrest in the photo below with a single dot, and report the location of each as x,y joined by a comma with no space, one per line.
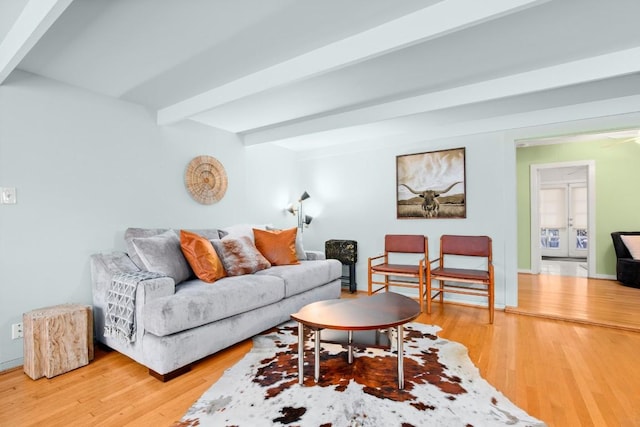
103,267
315,255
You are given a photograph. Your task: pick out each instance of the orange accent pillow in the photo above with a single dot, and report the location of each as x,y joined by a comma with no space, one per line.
202,258
279,247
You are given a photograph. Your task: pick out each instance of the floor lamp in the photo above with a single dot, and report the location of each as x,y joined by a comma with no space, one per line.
302,219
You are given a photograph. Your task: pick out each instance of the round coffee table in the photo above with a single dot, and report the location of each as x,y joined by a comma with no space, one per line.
379,311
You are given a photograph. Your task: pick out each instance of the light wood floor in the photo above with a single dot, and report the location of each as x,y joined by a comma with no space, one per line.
567,374
591,301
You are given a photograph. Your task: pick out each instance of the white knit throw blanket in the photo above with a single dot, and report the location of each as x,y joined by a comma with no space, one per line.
120,317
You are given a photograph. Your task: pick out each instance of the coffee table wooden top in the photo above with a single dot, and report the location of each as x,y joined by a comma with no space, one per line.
384,310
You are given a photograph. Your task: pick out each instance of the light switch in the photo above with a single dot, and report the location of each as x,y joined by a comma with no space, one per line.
8,195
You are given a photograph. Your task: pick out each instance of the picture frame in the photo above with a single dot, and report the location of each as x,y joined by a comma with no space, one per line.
431,185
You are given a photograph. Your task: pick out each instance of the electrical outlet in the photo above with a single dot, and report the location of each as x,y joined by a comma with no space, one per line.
8,195
16,331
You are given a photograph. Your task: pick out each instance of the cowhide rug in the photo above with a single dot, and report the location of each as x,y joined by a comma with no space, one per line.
442,387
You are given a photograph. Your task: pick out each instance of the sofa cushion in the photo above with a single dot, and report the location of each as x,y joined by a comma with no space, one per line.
208,233
306,275
239,230
162,254
632,242
201,256
239,255
197,303
277,246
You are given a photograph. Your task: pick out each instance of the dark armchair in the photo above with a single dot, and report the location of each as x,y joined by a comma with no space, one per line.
627,268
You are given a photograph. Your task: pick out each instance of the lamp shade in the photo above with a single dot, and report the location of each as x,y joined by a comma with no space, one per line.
304,196
308,219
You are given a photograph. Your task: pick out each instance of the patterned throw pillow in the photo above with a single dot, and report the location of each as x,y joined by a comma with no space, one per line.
279,247
202,258
239,255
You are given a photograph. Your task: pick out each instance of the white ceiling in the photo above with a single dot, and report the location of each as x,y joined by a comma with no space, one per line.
308,74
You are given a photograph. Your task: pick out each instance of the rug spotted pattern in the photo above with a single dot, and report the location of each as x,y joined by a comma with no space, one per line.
442,387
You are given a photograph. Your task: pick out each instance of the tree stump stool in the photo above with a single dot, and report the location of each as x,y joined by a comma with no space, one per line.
57,339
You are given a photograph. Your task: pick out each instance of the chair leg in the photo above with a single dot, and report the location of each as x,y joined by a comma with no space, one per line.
369,276
421,293
491,303
428,296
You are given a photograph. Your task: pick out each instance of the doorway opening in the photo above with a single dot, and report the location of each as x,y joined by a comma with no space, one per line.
563,218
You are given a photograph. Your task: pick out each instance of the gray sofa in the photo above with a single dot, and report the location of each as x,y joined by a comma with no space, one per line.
180,323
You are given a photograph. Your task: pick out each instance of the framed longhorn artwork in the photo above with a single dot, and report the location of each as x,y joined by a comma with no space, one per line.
431,185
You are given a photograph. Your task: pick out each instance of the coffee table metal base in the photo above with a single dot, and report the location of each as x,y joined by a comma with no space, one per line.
316,367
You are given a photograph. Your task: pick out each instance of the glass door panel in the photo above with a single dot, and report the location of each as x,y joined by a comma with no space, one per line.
563,220
578,239
553,221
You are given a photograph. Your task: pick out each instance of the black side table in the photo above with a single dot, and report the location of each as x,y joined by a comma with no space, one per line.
345,251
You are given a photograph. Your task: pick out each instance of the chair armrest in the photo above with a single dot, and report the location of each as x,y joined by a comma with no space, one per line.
371,263
315,255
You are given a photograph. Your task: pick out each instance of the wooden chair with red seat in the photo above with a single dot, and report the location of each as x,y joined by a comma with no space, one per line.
398,275
475,281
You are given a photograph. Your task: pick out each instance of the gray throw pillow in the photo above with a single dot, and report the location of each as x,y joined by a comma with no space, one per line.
162,254
300,253
135,233
238,230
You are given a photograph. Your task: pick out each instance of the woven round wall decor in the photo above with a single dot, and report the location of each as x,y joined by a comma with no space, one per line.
206,179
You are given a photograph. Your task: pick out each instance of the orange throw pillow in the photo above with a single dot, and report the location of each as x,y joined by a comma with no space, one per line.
202,258
279,247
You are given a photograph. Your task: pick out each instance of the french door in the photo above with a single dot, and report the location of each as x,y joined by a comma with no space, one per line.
563,220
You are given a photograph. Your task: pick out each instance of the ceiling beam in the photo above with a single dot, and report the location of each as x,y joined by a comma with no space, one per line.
575,72
614,113
442,18
35,19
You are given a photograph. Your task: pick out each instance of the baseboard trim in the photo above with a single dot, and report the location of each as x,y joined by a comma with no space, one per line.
516,310
605,276
15,368
448,298
11,365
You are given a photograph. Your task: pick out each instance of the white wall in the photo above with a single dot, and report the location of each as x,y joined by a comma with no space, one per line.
86,167
272,185
353,197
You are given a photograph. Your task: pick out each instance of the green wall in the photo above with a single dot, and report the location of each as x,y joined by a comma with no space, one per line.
617,202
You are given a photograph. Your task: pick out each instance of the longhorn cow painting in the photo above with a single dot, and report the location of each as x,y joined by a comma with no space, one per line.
431,185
